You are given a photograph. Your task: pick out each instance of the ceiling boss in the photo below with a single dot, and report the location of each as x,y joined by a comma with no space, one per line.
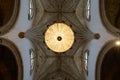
59,37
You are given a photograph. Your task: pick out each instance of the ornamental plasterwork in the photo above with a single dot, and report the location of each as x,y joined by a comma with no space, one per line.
69,62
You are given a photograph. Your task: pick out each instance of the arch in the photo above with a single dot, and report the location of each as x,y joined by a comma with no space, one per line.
103,59
109,13
8,14
15,61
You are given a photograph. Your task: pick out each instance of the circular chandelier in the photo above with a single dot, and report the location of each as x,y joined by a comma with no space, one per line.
59,37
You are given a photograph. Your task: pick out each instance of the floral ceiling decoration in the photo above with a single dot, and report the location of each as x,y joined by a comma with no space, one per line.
68,64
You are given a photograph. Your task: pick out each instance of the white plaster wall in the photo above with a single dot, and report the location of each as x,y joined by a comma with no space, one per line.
22,24
95,46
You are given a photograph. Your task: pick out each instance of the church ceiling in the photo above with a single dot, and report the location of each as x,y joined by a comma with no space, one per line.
49,19
51,65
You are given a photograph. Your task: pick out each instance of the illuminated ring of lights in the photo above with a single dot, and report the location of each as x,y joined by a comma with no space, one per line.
59,37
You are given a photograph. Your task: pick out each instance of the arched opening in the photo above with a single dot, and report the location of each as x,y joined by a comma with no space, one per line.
108,62
112,10
11,66
8,14
110,68
110,15
8,64
6,11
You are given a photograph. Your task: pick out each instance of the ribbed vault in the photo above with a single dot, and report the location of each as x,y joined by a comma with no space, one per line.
70,62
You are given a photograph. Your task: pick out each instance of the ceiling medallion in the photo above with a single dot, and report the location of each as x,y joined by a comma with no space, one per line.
59,37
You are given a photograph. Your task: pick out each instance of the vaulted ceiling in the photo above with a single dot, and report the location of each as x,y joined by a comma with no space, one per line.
57,18
68,65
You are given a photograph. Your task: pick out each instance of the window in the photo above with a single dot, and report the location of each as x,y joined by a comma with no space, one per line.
86,55
31,60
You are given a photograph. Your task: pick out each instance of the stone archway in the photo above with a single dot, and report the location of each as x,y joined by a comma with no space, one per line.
109,12
108,62
11,67
8,14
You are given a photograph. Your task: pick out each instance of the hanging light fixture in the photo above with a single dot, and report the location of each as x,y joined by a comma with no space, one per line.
59,37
